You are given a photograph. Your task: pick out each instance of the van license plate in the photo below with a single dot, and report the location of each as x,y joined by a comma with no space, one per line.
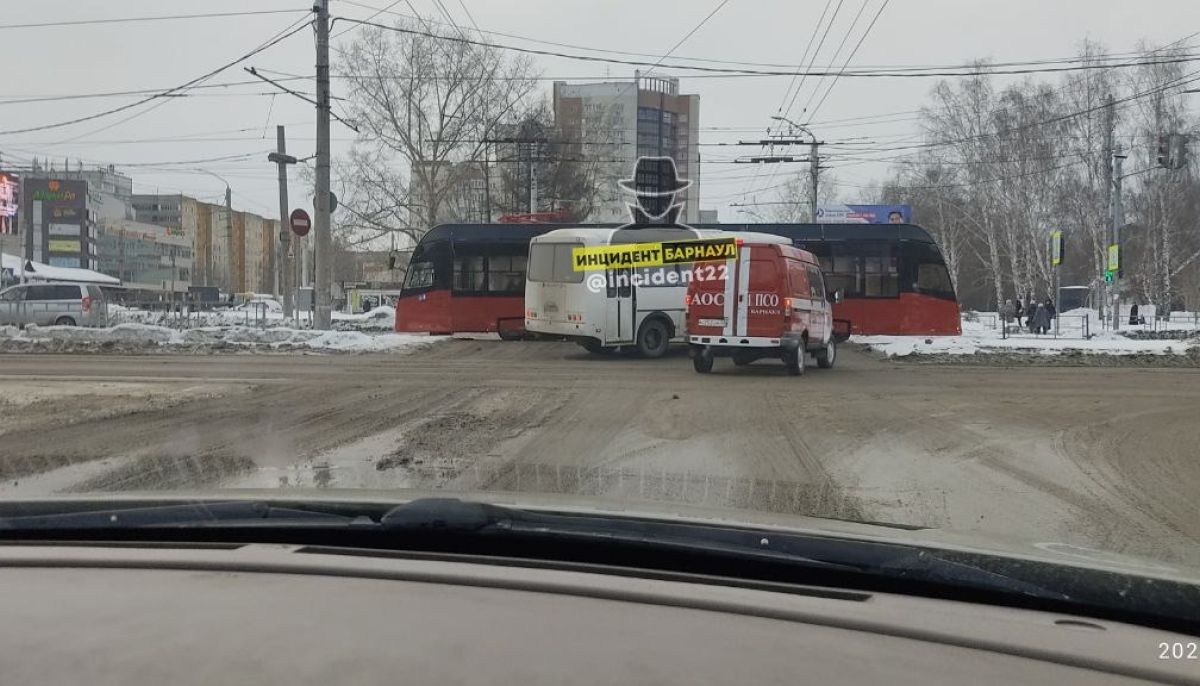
712,322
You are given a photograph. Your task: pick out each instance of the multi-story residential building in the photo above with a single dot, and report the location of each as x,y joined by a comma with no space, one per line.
144,256
617,122
232,250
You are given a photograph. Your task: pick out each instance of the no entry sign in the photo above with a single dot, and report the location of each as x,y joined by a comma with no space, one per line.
300,222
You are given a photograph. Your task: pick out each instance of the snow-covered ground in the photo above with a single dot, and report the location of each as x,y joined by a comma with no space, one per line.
141,336
1078,331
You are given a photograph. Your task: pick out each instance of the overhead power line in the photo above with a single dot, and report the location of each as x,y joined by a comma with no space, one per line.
688,35
470,17
803,56
845,64
128,20
1186,79
157,96
862,73
791,103
1074,59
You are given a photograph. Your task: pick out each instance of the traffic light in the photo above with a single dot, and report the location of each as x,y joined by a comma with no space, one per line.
1163,153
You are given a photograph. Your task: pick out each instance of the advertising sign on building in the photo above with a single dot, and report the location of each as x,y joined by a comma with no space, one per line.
864,214
58,221
9,199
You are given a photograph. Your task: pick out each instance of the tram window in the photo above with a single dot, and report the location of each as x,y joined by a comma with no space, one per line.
881,286
420,275
933,278
506,274
469,273
863,269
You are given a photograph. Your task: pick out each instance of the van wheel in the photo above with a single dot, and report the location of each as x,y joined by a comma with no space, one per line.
827,356
794,360
64,321
653,338
702,361
743,359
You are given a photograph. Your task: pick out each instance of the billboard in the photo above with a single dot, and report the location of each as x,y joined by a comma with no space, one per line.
57,221
9,199
864,214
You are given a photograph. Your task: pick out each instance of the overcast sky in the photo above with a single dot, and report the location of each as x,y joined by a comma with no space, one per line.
240,120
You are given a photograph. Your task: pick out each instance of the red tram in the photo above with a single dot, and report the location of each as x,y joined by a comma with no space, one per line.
471,277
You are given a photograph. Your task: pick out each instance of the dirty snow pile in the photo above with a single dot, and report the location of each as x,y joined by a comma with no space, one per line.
381,318
1079,332
134,336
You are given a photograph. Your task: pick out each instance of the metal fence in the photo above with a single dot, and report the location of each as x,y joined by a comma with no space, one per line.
187,315
1070,326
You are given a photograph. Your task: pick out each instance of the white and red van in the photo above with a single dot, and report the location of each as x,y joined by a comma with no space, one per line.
769,301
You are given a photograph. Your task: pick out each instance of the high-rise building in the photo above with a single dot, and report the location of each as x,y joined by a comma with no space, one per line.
614,123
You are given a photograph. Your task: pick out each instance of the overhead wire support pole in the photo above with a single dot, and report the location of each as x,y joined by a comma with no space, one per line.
1118,213
323,314
814,162
283,251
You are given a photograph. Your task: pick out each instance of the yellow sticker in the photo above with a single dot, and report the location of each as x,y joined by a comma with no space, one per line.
652,254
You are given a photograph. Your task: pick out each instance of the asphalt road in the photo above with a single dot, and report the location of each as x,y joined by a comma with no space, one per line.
1091,456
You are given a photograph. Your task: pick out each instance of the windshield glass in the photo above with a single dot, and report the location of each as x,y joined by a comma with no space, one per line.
914,270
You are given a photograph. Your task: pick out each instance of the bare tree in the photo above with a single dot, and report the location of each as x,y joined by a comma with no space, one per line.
567,173
1164,215
426,107
794,198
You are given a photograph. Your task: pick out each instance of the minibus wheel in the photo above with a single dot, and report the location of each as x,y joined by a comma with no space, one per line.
653,338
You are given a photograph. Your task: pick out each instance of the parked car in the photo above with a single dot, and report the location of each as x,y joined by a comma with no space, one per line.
54,304
261,305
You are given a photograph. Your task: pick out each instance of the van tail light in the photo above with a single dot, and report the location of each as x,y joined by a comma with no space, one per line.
87,303
787,308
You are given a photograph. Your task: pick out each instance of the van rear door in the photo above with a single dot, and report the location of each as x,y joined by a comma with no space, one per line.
708,310
761,293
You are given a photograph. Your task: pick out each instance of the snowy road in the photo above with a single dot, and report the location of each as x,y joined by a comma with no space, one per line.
1092,456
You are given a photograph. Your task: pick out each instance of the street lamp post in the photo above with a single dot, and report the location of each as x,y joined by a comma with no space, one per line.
208,262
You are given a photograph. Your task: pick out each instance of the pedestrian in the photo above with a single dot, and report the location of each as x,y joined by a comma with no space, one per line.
1133,314
1041,319
1020,309
1051,313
